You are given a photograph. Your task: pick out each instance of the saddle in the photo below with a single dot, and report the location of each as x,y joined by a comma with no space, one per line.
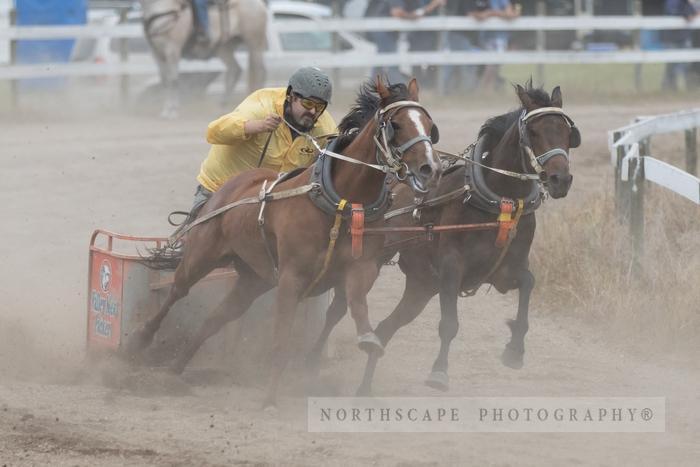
221,26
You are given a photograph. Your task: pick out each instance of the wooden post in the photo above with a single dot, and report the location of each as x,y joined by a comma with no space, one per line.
636,212
123,59
691,151
622,199
540,42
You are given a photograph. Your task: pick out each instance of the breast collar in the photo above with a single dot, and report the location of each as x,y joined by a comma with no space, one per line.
481,196
326,198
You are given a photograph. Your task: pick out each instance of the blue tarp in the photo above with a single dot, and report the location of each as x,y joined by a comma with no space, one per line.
47,12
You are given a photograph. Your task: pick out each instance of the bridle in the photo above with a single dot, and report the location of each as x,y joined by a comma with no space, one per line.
393,155
537,162
389,156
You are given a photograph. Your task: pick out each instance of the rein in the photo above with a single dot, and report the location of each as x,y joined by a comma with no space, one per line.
508,173
393,155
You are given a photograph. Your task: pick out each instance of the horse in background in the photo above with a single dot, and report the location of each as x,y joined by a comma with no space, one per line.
169,27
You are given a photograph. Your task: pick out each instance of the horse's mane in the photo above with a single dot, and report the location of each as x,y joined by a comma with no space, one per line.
366,105
497,126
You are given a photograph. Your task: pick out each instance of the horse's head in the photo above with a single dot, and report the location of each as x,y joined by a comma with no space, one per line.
546,136
405,136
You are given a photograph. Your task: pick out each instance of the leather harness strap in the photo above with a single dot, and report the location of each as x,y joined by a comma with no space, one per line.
332,238
357,229
250,200
511,231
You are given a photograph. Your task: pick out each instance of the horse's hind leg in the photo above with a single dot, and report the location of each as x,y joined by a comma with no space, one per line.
195,264
334,314
416,295
247,287
233,70
451,271
254,34
515,349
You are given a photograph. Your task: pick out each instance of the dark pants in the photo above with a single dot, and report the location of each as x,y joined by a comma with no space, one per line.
201,196
201,13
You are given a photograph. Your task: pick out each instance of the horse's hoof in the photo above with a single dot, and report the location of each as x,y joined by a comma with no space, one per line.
363,391
138,341
369,342
512,358
438,380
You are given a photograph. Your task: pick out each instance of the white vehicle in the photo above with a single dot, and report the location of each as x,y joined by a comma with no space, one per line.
308,47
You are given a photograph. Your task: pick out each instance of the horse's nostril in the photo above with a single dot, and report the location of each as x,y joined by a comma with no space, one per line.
554,179
425,170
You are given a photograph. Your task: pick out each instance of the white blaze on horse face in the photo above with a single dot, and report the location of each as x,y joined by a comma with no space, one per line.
415,116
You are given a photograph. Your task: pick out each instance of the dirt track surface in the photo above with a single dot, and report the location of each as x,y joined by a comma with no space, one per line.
61,178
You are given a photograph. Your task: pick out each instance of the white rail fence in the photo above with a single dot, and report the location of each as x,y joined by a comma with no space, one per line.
353,60
631,157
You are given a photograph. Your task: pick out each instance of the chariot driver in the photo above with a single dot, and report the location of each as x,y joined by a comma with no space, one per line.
263,131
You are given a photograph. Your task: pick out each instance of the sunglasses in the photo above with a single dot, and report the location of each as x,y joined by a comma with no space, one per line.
309,104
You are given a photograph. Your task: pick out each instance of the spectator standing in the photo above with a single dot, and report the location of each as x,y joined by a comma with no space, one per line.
677,39
496,41
387,41
461,78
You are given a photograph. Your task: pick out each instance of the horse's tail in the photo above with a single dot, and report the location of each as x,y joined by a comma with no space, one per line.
165,258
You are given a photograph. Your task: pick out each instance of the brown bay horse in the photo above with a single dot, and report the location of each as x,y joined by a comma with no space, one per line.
297,231
458,262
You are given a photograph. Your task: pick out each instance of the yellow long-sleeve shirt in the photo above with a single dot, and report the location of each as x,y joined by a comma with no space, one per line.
233,151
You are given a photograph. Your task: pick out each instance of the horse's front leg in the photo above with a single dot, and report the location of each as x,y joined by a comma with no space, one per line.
168,68
334,314
289,292
416,295
451,272
515,349
359,280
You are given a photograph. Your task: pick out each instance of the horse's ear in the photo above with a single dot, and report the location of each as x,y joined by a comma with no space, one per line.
413,89
556,97
381,88
524,98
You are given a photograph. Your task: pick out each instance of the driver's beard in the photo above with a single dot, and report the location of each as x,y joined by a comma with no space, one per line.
298,125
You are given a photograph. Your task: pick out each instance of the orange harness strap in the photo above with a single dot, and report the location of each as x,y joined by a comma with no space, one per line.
505,222
357,229
332,238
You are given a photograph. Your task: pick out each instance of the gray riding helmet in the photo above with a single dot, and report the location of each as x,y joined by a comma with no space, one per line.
311,82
